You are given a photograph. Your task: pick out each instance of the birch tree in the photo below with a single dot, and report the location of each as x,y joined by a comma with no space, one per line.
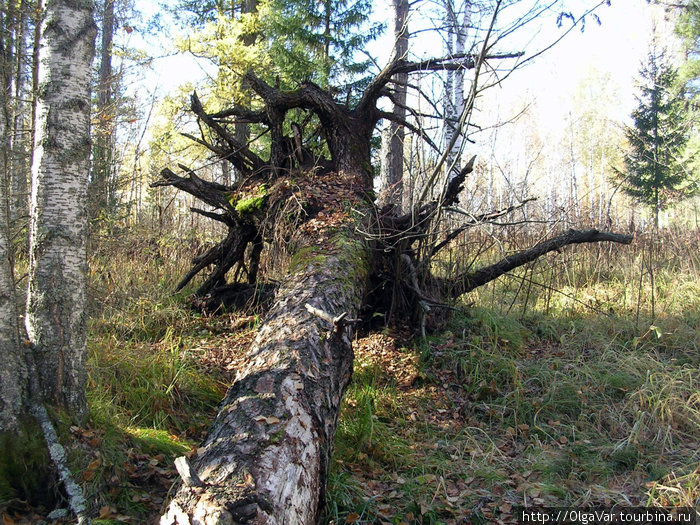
13,371
457,21
56,305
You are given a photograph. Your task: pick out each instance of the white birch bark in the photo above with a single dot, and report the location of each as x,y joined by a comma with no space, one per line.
13,371
451,115
449,108
454,88
397,133
460,40
56,304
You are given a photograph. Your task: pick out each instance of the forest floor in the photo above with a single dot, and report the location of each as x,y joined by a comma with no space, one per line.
554,387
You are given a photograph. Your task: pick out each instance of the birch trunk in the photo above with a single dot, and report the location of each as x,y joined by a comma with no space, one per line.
266,457
13,373
454,86
56,316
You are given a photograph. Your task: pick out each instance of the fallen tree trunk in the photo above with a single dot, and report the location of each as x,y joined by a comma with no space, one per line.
266,457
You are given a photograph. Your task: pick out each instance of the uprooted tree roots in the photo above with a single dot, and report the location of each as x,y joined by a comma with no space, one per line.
266,456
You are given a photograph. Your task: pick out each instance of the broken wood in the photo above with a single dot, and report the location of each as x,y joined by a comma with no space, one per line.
266,457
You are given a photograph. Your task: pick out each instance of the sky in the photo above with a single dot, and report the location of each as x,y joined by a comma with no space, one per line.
615,47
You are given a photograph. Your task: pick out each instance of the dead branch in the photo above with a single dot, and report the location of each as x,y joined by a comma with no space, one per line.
194,185
469,281
474,220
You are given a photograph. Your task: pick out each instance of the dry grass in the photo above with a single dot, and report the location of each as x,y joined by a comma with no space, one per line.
556,386
558,389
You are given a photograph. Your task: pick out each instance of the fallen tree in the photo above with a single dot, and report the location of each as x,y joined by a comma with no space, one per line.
266,457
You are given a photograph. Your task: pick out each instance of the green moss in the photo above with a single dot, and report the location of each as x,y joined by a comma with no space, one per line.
352,255
277,436
304,257
251,204
24,465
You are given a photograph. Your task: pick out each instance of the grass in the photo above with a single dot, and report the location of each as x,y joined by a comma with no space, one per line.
555,386
152,388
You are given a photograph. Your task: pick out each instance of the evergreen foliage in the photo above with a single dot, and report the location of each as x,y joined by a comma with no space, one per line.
688,29
288,41
656,165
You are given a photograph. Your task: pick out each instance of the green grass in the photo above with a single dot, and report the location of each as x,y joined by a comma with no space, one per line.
150,396
556,386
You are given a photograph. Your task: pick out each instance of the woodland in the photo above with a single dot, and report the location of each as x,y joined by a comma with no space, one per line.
345,270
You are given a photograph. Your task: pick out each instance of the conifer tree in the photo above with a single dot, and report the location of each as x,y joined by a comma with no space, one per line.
655,172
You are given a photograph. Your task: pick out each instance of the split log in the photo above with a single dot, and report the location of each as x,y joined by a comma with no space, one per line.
266,457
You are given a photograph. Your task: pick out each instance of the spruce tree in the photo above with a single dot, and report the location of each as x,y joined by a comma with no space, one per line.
655,172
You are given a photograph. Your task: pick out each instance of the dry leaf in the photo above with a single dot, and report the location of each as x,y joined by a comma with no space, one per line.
352,517
88,475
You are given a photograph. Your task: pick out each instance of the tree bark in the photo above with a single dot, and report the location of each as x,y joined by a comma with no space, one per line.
13,374
397,133
266,457
56,316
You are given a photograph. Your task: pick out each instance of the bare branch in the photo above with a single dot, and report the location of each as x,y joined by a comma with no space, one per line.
457,61
474,220
208,192
403,122
469,281
239,155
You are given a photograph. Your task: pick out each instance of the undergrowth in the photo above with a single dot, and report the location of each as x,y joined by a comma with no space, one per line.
150,391
563,384
567,383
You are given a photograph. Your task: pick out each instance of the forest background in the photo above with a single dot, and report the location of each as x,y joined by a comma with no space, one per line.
572,381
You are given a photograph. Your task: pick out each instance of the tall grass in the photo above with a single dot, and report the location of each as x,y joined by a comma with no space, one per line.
555,385
560,384
151,396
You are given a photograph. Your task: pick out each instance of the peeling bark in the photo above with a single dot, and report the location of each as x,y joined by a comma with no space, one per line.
56,318
266,457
